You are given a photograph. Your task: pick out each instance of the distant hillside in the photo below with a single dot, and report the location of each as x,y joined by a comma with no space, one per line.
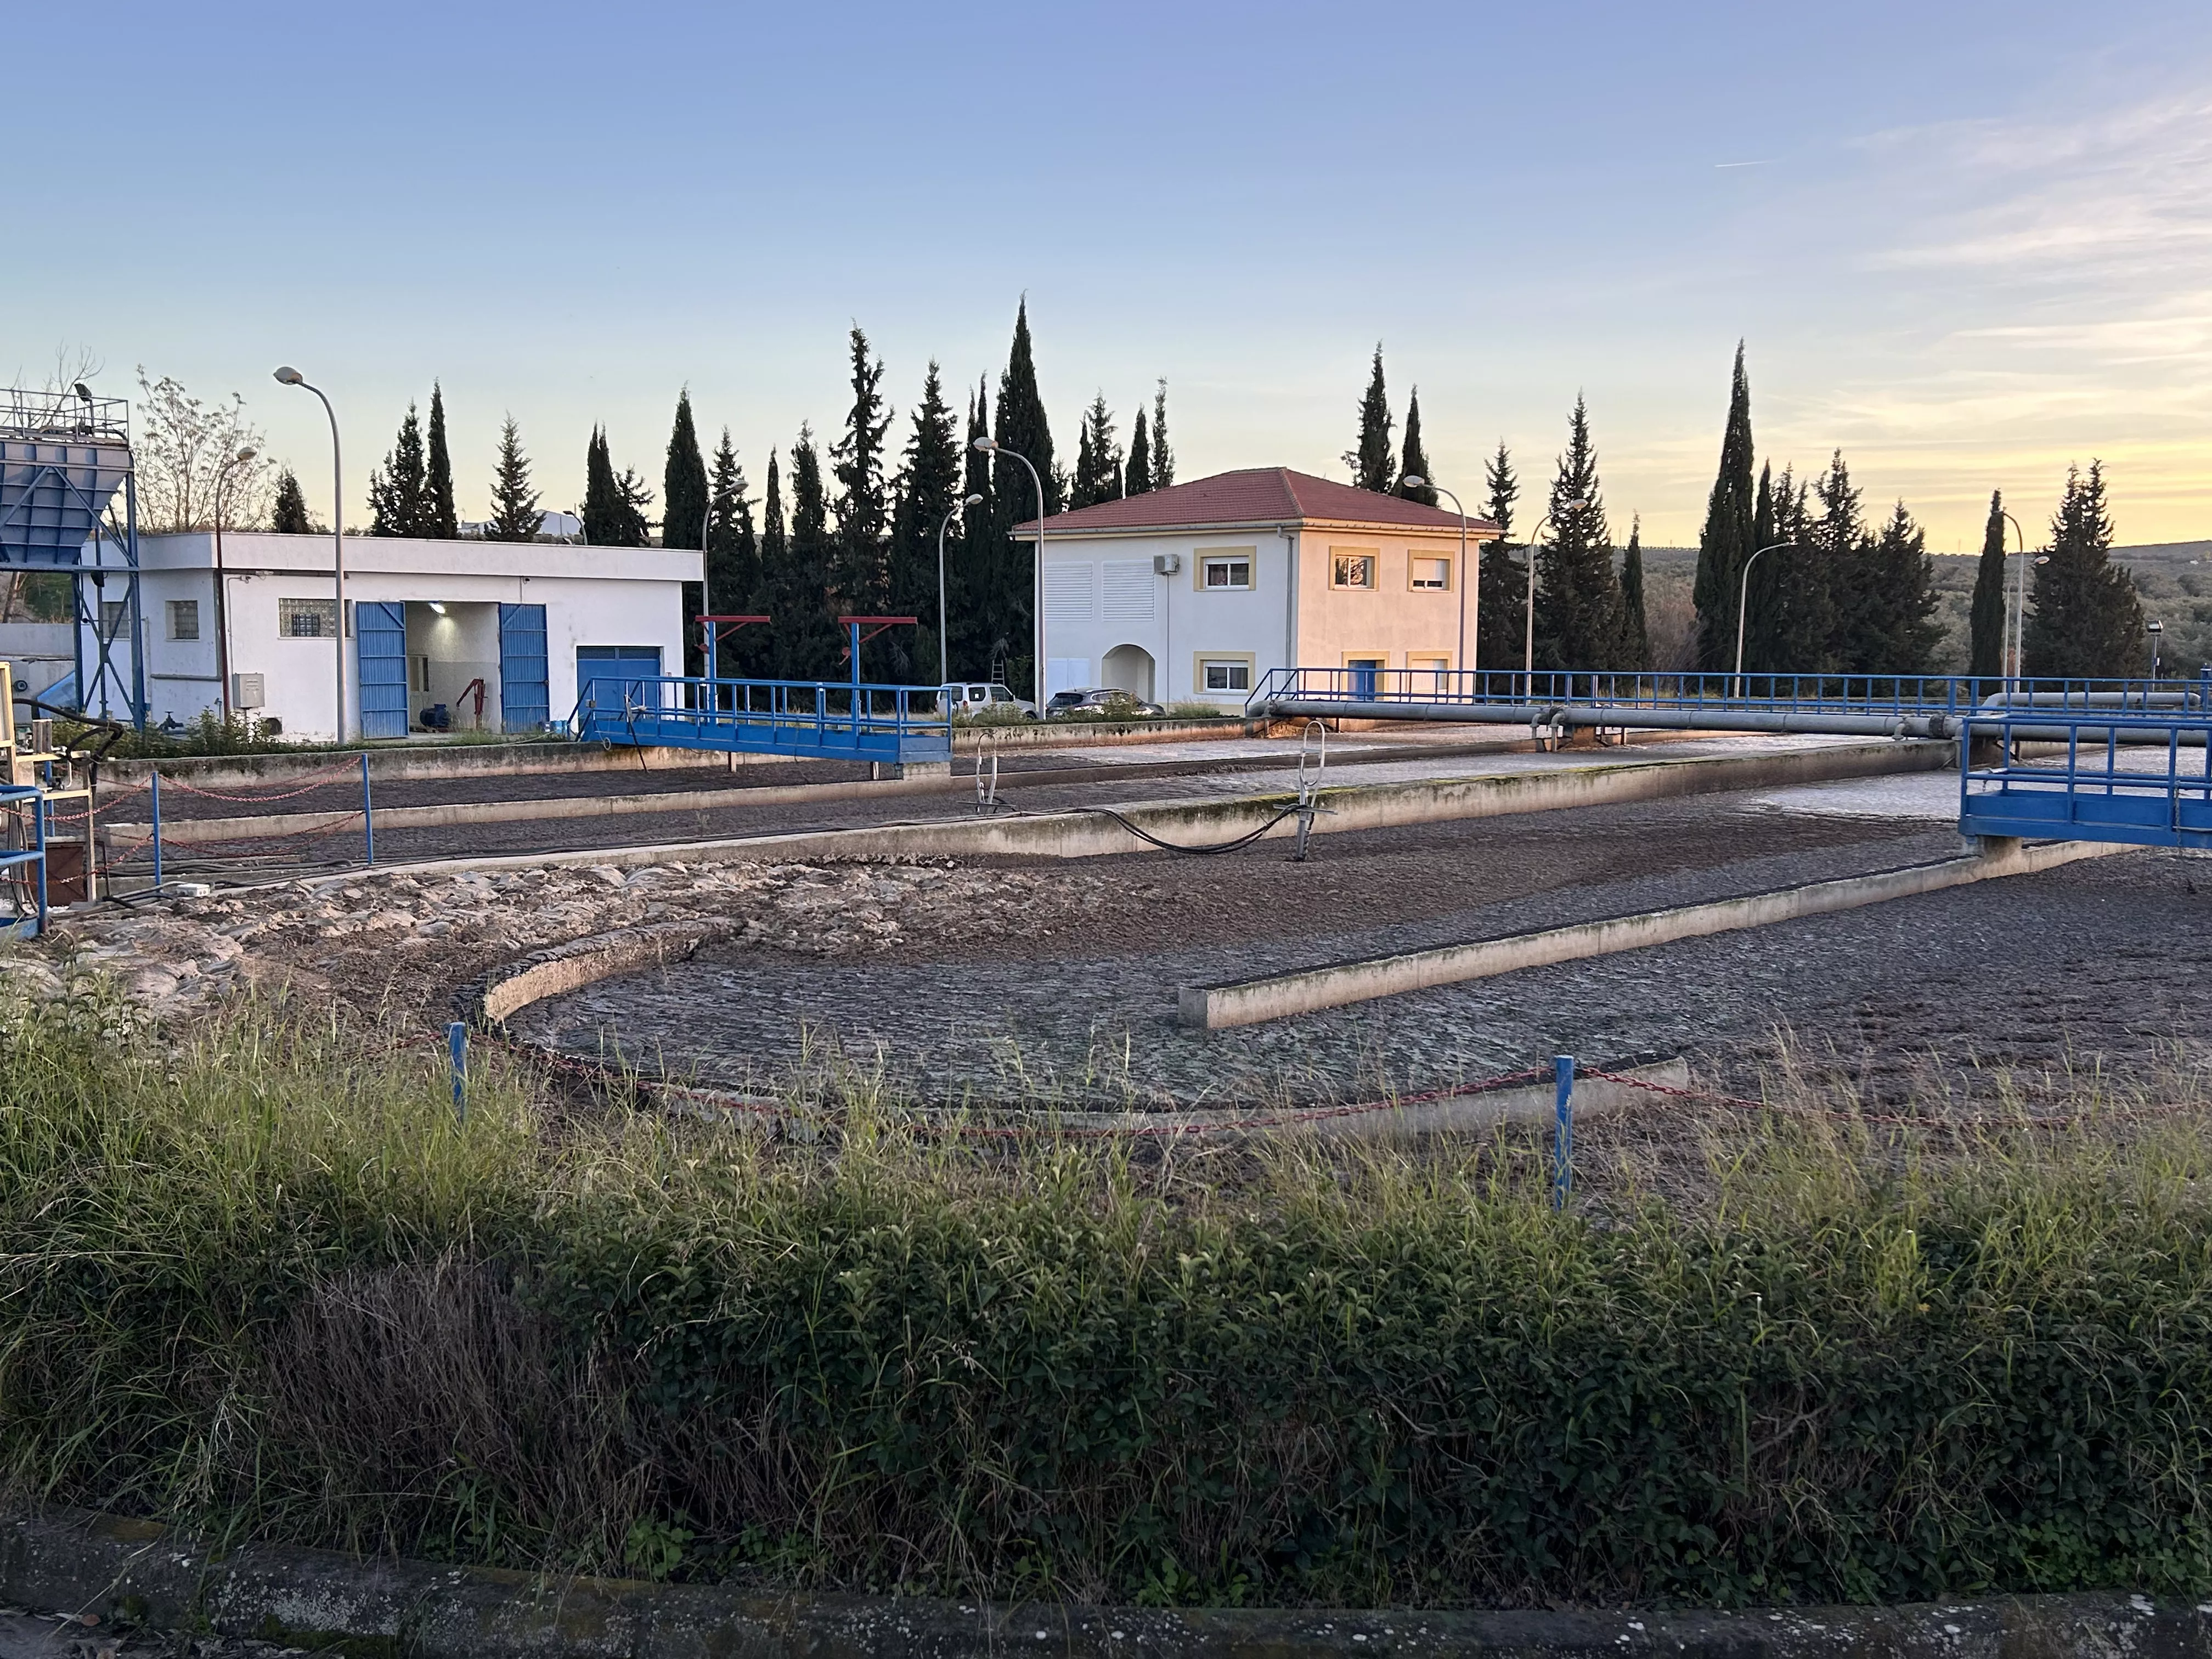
2174,578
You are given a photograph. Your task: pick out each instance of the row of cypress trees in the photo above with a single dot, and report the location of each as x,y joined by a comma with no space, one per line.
1588,610
1833,593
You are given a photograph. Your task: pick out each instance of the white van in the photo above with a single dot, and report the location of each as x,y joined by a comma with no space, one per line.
974,697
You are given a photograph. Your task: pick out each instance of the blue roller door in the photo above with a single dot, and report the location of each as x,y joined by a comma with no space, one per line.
524,703
379,627
616,676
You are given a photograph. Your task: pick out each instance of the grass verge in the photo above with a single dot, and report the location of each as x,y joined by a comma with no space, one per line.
255,1281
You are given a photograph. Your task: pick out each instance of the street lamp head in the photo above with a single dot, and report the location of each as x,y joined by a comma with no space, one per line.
82,391
973,500
2155,627
1572,507
245,455
289,375
1413,481
985,446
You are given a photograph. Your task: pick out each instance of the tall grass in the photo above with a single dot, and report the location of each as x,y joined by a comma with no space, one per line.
255,1281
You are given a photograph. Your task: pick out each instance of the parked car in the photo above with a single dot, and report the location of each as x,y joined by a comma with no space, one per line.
1066,702
974,697
1109,702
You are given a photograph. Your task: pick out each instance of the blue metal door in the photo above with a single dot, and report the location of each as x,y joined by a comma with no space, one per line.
1364,670
611,675
379,627
524,701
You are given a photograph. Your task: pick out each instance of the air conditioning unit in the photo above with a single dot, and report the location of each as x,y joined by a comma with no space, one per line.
249,690
1167,564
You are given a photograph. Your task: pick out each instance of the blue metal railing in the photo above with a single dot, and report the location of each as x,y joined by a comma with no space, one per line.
2138,778
1854,694
23,869
825,720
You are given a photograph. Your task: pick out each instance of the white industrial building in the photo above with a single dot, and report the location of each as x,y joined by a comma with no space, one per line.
1194,591
517,626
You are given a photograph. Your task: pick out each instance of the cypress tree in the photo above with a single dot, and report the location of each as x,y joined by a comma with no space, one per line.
1414,462
971,580
1162,457
1792,627
515,514
2086,621
1098,458
684,482
811,639
1019,424
732,559
603,502
1986,621
291,512
1368,460
1898,634
1635,628
441,517
1726,540
397,504
1839,579
860,573
775,581
1505,576
1138,479
929,485
1761,615
1578,593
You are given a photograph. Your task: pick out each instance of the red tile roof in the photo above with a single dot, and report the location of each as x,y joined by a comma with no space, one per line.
1256,495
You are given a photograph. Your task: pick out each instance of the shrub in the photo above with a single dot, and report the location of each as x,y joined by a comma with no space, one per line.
257,1281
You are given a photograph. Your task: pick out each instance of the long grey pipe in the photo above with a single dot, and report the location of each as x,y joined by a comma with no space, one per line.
1808,723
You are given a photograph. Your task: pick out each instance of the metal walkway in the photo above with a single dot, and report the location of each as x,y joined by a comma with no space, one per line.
1843,705
800,720
2141,779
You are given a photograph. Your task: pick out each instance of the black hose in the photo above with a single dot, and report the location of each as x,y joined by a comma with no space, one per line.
1221,847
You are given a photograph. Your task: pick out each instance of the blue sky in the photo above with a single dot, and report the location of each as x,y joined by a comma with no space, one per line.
1965,241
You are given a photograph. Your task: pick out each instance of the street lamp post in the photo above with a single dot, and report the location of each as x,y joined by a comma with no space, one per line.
944,659
2156,630
1469,579
290,376
992,446
1742,599
2016,629
222,604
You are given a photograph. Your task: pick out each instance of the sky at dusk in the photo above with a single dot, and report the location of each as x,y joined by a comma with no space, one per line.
1967,242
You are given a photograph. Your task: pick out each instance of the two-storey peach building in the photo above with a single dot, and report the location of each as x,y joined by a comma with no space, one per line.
1195,591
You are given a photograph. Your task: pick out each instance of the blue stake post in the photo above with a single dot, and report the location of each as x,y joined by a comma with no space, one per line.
1562,1132
367,817
457,1051
154,784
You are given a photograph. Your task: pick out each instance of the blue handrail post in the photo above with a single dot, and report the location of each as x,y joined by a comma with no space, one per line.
368,817
1563,1129
153,786
456,1057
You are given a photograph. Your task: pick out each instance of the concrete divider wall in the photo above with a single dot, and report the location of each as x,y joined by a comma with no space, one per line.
403,761
1077,835
1249,1002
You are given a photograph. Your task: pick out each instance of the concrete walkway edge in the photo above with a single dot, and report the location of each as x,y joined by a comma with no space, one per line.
78,1562
1273,996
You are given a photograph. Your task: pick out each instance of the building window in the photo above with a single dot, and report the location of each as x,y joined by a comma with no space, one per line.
1347,569
184,619
307,619
114,618
1224,673
1431,573
1226,575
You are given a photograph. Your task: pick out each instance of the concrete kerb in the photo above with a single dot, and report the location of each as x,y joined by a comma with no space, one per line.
1249,1002
1080,834
140,1573
405,761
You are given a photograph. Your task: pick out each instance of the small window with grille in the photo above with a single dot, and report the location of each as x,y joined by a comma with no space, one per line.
307,619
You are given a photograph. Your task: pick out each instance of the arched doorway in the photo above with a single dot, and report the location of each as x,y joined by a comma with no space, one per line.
1129,668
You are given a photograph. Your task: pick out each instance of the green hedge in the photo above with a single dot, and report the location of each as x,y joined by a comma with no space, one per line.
246,1284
